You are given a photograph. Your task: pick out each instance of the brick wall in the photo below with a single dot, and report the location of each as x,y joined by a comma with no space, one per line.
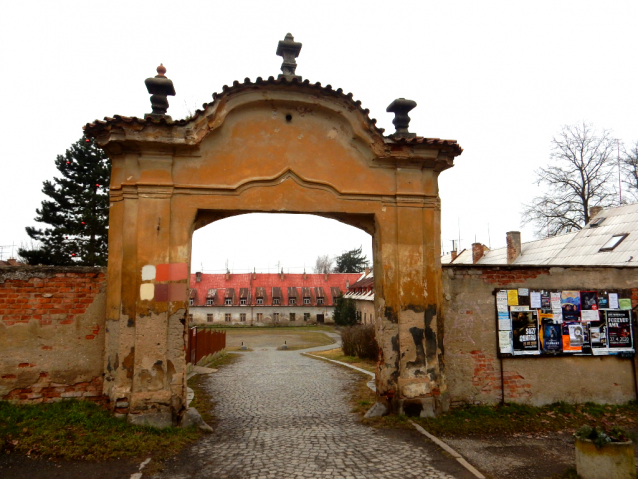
51,333
472,367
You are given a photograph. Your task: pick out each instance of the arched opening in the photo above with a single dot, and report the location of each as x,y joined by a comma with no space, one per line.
263,269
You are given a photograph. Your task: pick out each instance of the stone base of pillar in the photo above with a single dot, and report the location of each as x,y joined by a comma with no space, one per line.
423,407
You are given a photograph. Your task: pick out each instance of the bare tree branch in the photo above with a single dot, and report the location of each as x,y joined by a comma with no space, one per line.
323,264
629,168
577,179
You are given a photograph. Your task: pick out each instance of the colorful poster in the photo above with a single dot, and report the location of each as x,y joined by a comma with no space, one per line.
603,301
598,334
619,329
624,303
588,300
535,300
572,337
525,332
587,316
505,342
555,299
570,303
546,302
613,300
552,338
512,297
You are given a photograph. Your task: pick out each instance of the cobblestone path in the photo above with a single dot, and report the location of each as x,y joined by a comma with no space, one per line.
283,415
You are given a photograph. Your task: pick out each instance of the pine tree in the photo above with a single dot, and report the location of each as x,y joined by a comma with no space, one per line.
353,261
77,210
345,312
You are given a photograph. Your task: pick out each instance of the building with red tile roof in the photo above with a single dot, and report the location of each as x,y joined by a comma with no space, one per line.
257,298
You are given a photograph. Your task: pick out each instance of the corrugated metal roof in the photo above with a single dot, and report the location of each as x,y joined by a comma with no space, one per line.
581,248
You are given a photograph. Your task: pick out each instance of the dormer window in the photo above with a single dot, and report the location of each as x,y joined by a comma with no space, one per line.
228,301
190,302
242,301
319,300
209,302
260,300
306,301
275,301
613,242
292,301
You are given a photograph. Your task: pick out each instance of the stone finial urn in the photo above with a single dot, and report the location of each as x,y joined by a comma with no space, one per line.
401,107
159,87
614,460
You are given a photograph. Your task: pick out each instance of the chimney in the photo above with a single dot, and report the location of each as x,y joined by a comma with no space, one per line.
325,276
367,271
198,277
513,246
594,211
282,274
254,274
477,252
347,283
227,275
454,255
304,275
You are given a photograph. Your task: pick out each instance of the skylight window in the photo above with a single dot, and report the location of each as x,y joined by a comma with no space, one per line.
613,242
596,222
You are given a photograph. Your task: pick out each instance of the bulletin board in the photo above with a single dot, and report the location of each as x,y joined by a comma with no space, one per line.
536,323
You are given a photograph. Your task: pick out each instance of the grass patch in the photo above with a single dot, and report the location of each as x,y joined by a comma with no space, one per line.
82,430
268,327
295,338
238,348
521,419
337,355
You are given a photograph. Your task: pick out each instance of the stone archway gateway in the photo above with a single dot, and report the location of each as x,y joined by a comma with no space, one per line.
275,145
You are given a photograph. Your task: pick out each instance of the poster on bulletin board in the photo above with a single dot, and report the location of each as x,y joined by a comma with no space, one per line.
568,322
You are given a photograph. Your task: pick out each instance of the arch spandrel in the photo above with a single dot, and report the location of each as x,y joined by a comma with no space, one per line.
241,155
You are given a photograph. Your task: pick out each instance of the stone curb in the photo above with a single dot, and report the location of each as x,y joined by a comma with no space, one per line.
432,438
449,450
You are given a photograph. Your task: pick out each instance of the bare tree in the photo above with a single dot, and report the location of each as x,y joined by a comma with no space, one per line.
577,179
323,264
629,167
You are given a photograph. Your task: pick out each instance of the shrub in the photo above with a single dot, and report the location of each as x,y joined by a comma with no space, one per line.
360,341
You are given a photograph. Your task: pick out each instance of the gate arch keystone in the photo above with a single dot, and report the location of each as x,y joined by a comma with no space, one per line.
275,145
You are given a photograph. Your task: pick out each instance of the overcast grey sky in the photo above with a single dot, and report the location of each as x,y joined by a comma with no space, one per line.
501,77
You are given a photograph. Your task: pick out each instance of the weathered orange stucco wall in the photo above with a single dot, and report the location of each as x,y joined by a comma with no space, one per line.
269,146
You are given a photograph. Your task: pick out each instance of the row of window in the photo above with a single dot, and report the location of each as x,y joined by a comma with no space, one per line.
243,301
260,317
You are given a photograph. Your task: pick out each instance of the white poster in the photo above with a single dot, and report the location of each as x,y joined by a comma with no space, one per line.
504,322
555,297
501,301
523,292
519,308
587,315
505,341
613,300
558,315
535,300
